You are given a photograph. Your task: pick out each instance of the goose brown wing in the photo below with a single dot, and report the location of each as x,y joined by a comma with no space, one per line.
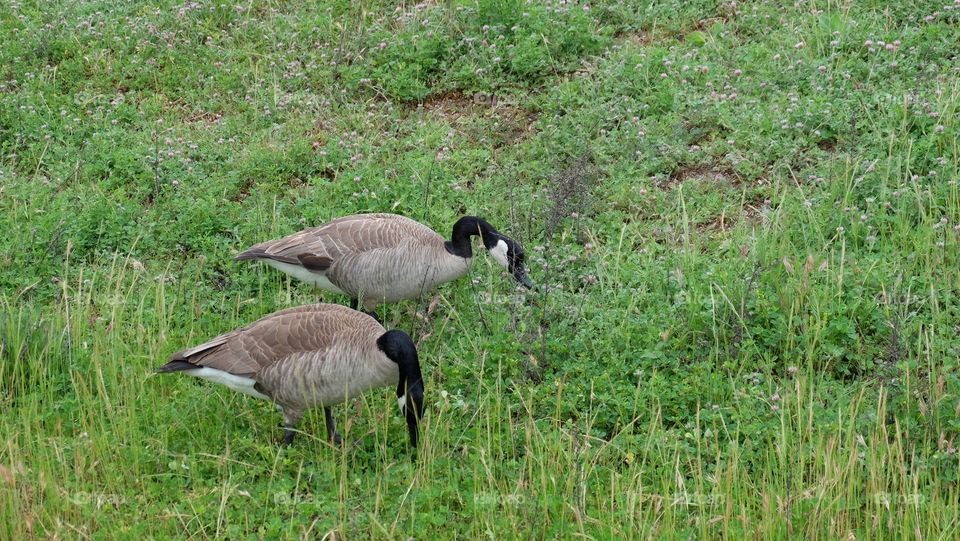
248,350
345,236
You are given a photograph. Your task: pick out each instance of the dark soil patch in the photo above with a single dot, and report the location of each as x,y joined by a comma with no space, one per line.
513,122
704,172
451,105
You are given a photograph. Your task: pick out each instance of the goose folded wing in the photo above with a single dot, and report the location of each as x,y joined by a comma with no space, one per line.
351,235
248,350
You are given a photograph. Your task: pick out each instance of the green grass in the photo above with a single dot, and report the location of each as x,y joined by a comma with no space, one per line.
744,221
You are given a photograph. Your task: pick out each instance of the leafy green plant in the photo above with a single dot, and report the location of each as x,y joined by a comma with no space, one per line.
742,221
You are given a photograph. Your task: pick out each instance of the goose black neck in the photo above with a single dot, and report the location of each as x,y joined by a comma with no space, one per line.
466,227
411,380
398,346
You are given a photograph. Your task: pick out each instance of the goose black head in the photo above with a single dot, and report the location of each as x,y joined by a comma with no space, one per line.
505,250
508,253
399,348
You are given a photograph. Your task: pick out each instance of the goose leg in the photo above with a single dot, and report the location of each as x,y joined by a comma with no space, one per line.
332,427
355,304
370,308
290,420
289,431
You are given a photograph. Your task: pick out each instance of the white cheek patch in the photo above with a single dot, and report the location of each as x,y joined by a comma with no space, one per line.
401,401
499,252
237,383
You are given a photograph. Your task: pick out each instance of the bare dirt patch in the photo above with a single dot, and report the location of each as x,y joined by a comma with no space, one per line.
638,39
516,123
719,223
828,145
449,105
704,172
712,176
753,211
513,122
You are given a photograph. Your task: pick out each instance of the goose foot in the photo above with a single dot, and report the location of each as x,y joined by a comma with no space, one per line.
289,431
332,427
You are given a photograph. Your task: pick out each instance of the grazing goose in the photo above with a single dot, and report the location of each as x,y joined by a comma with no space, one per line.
308,357
378,258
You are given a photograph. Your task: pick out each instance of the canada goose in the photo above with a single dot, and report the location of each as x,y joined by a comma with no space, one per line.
307,357
378,258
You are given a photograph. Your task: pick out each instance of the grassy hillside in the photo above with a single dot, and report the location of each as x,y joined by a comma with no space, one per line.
743,218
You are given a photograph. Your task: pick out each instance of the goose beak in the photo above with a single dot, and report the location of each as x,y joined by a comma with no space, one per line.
413,411
523,279
413,430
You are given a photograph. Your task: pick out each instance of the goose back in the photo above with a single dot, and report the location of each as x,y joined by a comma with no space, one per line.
347,235
301,357
380,257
